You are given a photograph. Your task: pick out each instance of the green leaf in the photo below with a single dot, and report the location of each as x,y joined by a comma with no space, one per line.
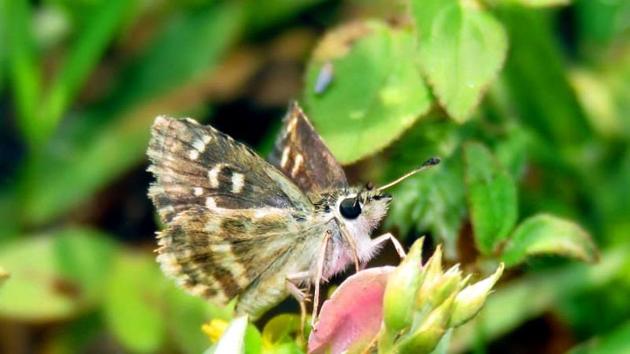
134,303
22,60
492,197
375,92
56,276
280,330
461,49
110,138
92,41
545,234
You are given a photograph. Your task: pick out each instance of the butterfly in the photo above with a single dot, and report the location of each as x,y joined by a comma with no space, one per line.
238,226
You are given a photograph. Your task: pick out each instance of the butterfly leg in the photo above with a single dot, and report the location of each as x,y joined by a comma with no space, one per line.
376,242
319,275
301,295
353,246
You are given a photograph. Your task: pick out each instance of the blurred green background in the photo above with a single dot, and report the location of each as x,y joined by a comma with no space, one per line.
527,102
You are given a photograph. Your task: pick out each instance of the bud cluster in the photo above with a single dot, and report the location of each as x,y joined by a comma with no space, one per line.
422,302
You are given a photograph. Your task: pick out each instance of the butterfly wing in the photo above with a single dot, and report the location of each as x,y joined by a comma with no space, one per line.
229,213
197,165
220,256
301,154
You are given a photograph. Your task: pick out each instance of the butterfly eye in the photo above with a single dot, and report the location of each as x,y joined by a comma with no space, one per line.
349,208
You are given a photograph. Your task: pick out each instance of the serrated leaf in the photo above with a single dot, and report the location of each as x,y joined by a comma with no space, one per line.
545,234
461,49
133,303
492,197
375,91
56,276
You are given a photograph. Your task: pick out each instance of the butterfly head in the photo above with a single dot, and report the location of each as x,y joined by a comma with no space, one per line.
364,207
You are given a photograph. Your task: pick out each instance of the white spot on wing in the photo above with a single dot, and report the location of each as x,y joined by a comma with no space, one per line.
198,290
221,248
211,203
291,125
199,145
206,139
238,182
197,191
297,164
193,154
285,156
213,175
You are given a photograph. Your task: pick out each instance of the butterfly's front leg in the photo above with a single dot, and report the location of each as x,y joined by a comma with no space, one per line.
293,283
353,246
376,242
320,273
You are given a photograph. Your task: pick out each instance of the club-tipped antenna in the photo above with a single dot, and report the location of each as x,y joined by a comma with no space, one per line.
427,164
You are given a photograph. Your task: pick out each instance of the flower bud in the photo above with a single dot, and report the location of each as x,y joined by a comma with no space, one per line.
430,331
432,276
401,288
470,300
449,284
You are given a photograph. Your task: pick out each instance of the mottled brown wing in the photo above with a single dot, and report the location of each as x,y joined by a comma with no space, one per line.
219,255
198,166
303,157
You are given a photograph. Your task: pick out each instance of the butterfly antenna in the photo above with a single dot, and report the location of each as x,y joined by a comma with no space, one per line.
427,164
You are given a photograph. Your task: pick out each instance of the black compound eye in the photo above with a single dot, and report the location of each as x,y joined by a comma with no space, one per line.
349,208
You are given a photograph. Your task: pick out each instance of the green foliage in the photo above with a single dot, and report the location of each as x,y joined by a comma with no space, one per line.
491,198
614,342
548,234
373,109
133,302
64,268
435,200
461,48
527,110
117,136
278,334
